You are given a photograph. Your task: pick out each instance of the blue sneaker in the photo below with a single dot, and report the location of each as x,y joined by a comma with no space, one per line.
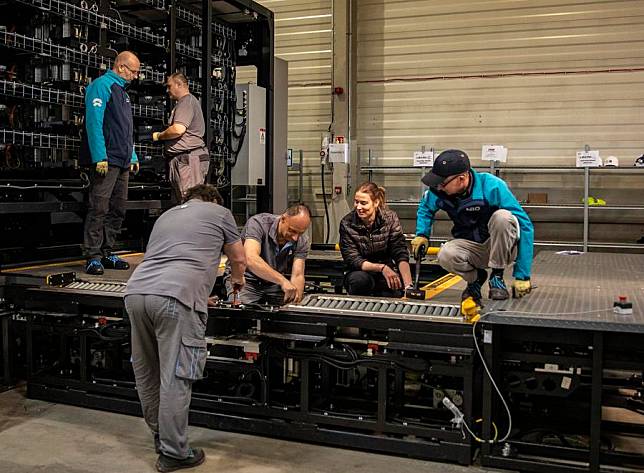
114,262
498,290
94,266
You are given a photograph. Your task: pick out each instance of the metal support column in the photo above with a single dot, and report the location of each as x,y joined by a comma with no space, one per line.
586,192
30,346
84,357
103,44
265,74
300,183
6,361
206,67
488,354
382,399
172,40
596,402
304,386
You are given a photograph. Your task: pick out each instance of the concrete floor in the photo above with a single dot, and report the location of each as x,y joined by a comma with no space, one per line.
41,437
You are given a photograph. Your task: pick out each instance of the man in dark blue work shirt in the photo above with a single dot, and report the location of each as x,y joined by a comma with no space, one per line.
274,246
108,146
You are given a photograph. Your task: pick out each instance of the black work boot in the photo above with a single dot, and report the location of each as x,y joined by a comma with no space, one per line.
166,463
114,262
473,289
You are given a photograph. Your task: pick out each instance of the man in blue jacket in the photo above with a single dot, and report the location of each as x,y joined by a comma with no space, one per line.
108,144
491,229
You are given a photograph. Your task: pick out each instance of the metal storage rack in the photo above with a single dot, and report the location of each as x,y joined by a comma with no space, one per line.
53,48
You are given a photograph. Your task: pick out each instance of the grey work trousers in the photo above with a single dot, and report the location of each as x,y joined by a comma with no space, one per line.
168,355
253,294
188,170
105,211
464,257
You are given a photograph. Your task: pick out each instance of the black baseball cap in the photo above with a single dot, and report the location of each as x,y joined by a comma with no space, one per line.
449,163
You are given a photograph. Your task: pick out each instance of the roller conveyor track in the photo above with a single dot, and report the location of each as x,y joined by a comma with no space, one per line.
377,307
102,286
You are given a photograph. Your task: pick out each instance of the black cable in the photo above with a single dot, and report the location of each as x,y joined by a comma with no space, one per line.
351,351
342,364
326,208
100,335
349,415
254,306
227,397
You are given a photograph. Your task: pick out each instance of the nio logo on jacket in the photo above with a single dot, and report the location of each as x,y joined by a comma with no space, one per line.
470,217
97,102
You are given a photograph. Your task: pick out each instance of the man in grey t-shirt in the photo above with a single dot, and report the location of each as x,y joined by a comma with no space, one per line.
166,300
183,139
274,245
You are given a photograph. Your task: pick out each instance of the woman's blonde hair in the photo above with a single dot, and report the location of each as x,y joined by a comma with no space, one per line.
376,193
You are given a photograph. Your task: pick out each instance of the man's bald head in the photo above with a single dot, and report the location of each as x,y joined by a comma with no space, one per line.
127,65
293,223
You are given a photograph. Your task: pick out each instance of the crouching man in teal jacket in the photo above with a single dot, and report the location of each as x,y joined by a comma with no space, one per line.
491,229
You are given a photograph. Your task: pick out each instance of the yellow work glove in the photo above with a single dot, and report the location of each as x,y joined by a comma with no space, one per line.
521,288
416,243
134,167
101,168
155,136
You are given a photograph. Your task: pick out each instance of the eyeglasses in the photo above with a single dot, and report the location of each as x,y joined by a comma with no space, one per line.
135,72
448,180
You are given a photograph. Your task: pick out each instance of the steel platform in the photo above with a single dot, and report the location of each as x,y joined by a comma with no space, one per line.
38,272
63,286
578,291
324,273
563,360
569,290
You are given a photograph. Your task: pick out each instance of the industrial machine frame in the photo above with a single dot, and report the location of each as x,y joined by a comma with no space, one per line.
340,377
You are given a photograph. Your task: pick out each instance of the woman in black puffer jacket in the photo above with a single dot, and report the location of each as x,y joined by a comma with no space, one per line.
373,246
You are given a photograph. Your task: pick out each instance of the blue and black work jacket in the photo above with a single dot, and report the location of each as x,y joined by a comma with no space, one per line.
471,213
109,128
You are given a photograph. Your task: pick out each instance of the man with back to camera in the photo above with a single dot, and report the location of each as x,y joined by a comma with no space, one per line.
183,139
274,245
166,300
491,229
108,143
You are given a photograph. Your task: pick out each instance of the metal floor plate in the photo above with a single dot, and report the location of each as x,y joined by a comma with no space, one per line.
578,291
40,271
